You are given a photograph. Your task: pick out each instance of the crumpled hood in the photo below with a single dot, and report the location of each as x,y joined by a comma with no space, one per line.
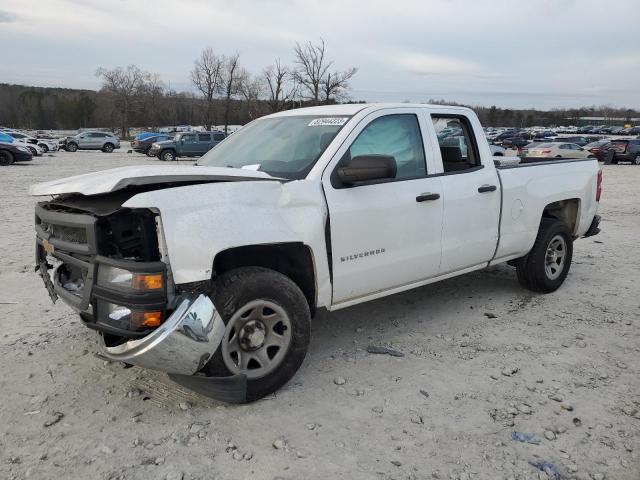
120,178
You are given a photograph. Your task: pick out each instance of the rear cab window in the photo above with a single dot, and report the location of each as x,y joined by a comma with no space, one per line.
458,147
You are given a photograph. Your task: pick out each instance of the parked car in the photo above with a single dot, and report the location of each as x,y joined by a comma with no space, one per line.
143,145
253,255
104,141
11,152
580,140
559,150
27,141
189,144
620,150
595,147
516,142
47,144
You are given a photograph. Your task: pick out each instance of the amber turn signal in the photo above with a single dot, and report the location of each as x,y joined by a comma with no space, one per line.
146,319
146,281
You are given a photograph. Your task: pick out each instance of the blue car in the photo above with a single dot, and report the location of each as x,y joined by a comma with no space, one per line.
5,138
143,135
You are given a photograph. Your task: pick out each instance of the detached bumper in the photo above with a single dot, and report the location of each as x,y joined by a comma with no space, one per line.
594,228
182,345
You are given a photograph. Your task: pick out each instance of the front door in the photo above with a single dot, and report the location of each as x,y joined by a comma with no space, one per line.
189,144
384,235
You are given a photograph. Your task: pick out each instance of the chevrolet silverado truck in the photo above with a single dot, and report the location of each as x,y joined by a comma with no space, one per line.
189,144
212,272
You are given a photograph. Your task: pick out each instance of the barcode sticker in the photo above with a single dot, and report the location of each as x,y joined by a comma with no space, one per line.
328,121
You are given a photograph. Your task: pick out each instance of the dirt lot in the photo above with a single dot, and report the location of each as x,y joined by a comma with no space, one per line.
484,358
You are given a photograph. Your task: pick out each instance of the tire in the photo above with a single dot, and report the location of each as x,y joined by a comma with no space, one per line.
168,156
34,152
72,147
107,148
239,295
538,270
6,158
148,153
636,159
44,147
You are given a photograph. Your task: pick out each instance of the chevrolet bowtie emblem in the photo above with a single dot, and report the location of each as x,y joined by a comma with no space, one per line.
47,247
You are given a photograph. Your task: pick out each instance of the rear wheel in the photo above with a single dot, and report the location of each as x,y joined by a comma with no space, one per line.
72,147
107,148
168,156
546,266
6,158
636,159
268,328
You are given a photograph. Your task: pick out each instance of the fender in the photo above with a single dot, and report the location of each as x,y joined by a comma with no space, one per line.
200,221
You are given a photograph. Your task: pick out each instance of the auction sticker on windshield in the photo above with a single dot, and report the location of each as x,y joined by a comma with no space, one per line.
321,122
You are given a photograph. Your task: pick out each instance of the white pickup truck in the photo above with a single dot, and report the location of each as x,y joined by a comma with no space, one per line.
213,272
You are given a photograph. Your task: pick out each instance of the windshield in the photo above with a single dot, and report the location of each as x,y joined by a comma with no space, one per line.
285,147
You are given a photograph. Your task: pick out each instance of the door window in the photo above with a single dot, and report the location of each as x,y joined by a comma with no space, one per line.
457,145
189,138
204,137
397,136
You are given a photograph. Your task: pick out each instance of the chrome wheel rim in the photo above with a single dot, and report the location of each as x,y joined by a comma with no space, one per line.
555,257
256,339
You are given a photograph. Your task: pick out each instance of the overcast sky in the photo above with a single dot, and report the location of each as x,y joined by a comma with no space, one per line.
509,53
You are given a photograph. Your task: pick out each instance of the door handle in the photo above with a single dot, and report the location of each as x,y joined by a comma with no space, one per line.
487,188
425,197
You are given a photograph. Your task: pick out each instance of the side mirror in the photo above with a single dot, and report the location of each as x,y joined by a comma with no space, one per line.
365,168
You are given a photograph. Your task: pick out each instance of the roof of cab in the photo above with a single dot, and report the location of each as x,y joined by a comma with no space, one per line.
353,108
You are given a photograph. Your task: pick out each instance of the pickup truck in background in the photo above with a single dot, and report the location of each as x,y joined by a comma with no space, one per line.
213,272
190,144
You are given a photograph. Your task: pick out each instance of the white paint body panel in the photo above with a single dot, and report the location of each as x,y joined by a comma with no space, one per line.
424,242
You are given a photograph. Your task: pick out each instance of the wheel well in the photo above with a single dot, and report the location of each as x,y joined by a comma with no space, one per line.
291,259
565,211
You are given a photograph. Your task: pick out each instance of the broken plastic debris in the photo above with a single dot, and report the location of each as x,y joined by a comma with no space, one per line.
547,467
384,351
525,437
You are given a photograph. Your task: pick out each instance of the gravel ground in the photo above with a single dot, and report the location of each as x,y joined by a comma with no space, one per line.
483,359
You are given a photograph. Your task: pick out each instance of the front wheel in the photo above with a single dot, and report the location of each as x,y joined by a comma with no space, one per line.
546,266
268,328
72,147
6,158
168,156
148,153
44,147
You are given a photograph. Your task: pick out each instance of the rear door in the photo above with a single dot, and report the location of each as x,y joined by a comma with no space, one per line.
386,234
204,143
471,196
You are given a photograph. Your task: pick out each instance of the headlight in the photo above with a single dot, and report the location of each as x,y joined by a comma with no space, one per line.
129,318
124,280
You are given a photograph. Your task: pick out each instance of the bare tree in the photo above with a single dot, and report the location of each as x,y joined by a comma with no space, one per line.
279,85
125,84
313,74
335,84
206,76
231,76
251,88
311,68
153,91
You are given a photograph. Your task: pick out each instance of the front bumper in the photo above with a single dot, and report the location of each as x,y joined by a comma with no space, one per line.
182,345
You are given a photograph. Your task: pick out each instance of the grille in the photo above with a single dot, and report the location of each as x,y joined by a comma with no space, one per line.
66,234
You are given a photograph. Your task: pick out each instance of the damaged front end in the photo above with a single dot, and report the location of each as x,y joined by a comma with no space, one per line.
110,264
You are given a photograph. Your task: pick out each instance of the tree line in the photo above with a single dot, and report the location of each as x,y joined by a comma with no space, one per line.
224,93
